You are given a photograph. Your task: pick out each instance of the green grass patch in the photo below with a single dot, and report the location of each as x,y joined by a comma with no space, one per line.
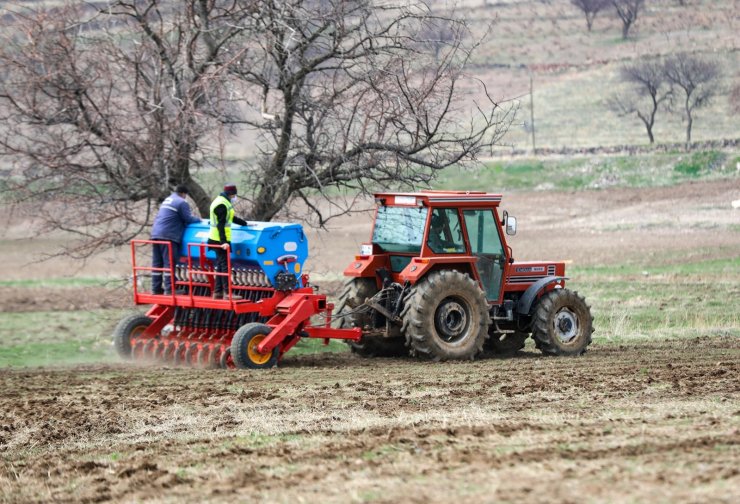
682,300
58,283
594,172
700,162
256,440
57,338
312,346
720,267
75,351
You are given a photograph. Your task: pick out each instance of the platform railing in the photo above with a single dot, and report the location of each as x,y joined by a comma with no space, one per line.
136,268
205,268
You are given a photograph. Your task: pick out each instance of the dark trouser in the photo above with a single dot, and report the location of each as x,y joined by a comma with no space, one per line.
161,259
222,282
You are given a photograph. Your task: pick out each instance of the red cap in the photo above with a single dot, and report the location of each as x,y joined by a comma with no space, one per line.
230,189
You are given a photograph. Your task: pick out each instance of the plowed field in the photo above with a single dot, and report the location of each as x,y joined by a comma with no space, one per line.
650,414
647,422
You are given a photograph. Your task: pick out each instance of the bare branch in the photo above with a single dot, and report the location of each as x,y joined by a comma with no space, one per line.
590,9
649,90
697,79
110,108
627,11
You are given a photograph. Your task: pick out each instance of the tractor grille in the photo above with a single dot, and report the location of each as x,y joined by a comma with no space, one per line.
525,279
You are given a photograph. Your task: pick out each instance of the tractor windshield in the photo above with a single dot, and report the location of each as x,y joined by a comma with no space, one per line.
400,229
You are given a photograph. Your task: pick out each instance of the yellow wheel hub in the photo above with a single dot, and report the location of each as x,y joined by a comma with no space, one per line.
137,332
253,354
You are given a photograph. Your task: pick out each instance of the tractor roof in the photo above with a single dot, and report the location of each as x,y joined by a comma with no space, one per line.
438,198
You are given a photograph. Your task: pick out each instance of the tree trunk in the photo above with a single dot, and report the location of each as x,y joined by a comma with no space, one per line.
625,29
201,198
689,123
267,204
180,174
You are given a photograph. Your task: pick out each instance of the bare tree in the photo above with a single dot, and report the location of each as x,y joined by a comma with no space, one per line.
649,89
735,98
590,9
696,79
440,31
627,10
106,110
355,95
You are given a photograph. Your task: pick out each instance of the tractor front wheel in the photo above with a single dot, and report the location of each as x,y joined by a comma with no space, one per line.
244,347
446,316
562,323
127,331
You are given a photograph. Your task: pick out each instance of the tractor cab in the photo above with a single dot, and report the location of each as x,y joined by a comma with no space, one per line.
415,233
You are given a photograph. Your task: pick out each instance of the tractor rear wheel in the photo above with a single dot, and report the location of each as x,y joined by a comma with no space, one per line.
356,291
562,323
446,316
511,343
127,330
244,347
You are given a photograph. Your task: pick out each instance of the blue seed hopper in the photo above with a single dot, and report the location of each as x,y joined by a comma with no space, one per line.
258,246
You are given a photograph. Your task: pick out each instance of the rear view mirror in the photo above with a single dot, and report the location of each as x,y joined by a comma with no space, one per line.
510,225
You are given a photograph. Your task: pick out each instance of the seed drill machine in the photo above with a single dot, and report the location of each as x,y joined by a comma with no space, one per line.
437,280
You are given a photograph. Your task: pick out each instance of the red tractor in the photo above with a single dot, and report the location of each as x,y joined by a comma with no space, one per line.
439,280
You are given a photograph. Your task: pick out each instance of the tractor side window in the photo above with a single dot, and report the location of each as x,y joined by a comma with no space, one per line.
445,233
482,232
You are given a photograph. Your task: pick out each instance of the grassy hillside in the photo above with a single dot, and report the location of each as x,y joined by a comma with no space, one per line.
574,71
592,172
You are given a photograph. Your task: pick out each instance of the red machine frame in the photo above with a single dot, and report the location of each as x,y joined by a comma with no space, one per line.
289,312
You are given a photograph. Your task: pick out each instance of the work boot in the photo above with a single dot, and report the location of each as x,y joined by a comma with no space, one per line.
218,295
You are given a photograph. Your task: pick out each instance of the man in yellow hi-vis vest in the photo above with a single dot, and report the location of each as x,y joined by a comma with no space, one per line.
221,218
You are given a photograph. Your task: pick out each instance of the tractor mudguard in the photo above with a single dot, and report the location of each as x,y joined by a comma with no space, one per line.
525,302
365,266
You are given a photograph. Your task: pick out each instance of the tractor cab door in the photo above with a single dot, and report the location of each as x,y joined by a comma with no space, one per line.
485,244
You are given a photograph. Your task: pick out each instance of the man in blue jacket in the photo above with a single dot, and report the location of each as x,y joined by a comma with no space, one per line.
169,225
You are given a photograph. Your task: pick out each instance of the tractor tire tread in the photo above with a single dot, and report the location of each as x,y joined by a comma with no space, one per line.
240,342
419,316
123,330
549,303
